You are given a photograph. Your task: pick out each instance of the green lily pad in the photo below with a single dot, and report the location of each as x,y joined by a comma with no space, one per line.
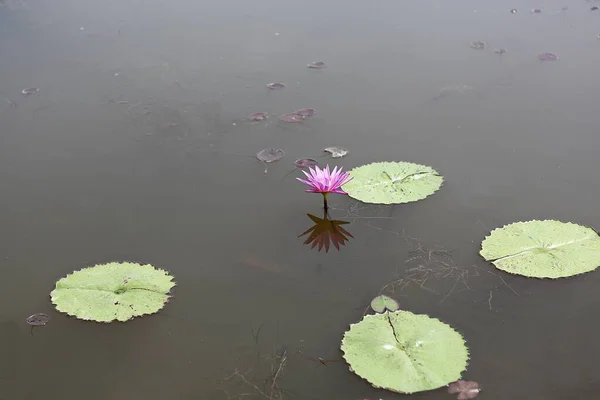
543,249
405,352
113,291
392,182
382,302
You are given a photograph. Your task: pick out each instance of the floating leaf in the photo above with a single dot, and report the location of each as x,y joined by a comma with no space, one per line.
513,11
30,91
291,117
113,291
336,152
275,85
478,45
305,112
543,249
316,65
257,116
547,57
405,352
382,302
39,319
305,162
536,11
270,155
393,182
499,51
465,389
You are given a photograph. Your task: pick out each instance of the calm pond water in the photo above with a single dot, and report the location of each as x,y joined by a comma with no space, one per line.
136,148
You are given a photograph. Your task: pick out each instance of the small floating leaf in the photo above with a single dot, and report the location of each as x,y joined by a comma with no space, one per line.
316,65
499,51
257,116
270,155
291,118
275,85
382,302
305,162
39,319
536,11
543,249
478,45
115,291
513,11
336,152
405,352
30,91
465,389
547,57
392,182
306,112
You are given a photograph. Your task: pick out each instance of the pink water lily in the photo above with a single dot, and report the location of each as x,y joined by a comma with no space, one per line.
325,181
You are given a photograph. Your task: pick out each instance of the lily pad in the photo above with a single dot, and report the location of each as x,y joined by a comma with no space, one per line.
336,152
30,91
275,85
547,57
270,155
39,319
291,118
382,302
115,291
392,182
306,112
465,389
257,116
543,249
478,45
316,65
405,352
305,162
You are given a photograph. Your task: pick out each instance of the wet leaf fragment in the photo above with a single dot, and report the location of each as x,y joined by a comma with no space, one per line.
39,319
270,155
465,389
336,152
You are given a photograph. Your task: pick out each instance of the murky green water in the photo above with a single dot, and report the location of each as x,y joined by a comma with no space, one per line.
136,148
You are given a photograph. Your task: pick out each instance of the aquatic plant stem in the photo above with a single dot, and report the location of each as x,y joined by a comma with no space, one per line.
325,201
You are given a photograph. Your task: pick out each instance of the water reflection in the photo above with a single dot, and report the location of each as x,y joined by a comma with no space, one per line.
325,232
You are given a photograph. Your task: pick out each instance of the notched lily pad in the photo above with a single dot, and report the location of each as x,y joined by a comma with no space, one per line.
405,352
306,112
305,162
117,291
336,152
382,302
30,91
291,118
392,182
478,45
275,85
39,319
257,116
270,155
316,65
543,249
465,389
547,57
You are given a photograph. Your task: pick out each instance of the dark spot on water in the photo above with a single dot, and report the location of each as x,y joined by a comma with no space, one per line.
547,57
305,112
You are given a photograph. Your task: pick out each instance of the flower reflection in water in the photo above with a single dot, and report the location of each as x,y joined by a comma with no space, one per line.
326,232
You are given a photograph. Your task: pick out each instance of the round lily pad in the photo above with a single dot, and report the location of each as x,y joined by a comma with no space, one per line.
543,249
275,85
114,291
382,302
316,65
336,152
291,118
270,155
39,319
392,182
305,162
405,352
